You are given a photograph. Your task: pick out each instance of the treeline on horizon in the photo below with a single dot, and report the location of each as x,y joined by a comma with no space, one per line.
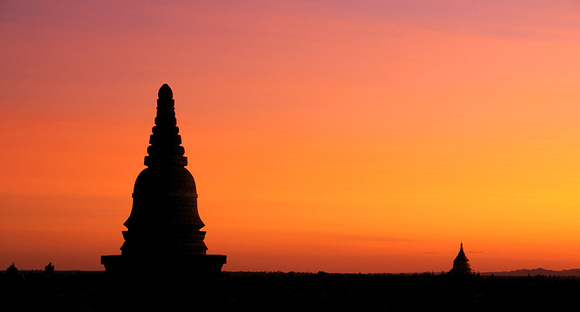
261,291
521,272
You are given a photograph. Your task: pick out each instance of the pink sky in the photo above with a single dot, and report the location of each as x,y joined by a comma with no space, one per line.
342,136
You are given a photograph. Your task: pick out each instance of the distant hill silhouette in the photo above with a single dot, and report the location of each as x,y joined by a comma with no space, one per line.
534,272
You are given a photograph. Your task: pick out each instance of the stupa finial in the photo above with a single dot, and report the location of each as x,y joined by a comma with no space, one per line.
165,93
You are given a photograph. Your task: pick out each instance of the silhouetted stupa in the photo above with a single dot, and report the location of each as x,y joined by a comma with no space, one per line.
461,264
163,230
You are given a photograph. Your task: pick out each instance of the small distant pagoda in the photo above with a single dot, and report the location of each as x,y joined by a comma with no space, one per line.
461,264
163,230
12,270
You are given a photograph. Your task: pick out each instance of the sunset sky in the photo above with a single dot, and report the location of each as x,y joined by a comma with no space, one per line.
342,136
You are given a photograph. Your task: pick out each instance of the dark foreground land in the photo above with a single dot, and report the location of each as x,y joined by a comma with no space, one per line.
273,291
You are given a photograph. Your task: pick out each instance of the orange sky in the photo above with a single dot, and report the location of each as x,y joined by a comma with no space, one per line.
344,136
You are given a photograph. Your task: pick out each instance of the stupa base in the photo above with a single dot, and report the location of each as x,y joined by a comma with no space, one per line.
164,266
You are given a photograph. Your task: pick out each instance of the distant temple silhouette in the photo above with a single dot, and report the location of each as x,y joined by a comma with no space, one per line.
461,264
163,230
12,270
49,269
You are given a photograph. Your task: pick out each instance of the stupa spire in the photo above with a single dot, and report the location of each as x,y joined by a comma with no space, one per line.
165,148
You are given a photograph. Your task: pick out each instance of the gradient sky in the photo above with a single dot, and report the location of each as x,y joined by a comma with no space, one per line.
343,136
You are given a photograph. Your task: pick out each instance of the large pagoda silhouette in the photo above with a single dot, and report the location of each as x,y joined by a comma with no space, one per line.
163,230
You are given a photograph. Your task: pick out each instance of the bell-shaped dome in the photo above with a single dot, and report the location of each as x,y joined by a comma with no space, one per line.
164,196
